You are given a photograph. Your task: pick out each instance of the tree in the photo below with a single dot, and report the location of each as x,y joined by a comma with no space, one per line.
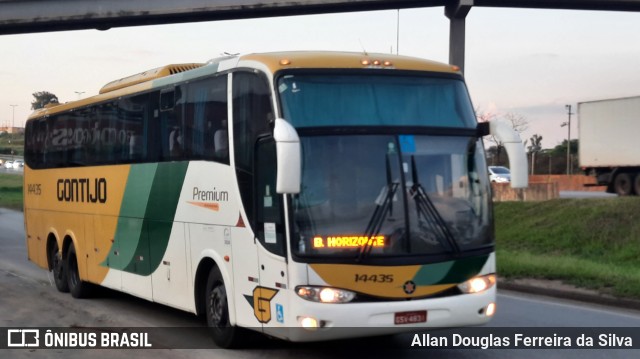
534,147
43,98
483,116
560,151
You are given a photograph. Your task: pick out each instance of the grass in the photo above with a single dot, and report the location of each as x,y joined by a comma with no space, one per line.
12,141
592,243
11,191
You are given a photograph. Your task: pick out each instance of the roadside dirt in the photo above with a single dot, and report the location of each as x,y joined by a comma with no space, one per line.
27,302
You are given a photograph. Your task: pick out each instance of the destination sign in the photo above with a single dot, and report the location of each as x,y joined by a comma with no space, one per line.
348,241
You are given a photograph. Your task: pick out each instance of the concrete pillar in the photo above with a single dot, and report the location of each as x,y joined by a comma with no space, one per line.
457,12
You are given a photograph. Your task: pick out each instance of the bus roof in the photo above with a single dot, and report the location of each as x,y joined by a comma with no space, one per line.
345,60
148,76
274,61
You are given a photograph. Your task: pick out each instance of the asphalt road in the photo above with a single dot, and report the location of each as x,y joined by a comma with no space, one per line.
28,299
12,171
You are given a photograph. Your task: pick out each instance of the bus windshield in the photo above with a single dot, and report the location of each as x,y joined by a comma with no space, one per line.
372,193
311,100
390,195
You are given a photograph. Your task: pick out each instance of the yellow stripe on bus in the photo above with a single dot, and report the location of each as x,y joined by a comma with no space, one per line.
79,203
381,281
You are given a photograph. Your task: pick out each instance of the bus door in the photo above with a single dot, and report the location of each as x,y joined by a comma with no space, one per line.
271,238
255,163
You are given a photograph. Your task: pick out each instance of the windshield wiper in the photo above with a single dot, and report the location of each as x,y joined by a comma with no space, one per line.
384,207
430,214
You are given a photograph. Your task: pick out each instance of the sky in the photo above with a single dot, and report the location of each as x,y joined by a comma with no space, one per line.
526,62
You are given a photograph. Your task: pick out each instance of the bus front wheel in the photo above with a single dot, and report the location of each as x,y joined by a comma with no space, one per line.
77,287
217,310
58,268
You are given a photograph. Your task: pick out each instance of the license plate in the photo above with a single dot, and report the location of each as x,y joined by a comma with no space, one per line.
419,316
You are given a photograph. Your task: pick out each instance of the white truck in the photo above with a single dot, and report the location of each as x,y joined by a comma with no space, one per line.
609,146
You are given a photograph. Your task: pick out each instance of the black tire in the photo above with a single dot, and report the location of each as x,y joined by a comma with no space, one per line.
217,311
636,184
77,287
622,184
58,268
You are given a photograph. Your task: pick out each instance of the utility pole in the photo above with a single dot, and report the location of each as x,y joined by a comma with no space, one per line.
398,34
13,117
568,124
79,93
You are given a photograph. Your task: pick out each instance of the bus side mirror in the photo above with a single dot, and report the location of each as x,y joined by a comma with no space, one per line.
288,156
483,129
515,151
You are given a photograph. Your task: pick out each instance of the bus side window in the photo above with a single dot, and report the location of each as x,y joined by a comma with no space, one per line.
175,142
252,112
221,141
205,119
132,122
269,209
171,125
78,149
167,99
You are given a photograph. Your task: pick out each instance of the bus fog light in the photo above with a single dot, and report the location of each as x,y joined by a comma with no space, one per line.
309,322
325,294
490,310
478,284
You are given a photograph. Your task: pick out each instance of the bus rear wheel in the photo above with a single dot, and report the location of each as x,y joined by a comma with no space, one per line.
77,287
217,310
58,268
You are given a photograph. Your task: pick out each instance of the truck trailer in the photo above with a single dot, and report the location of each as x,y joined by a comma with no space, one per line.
609,147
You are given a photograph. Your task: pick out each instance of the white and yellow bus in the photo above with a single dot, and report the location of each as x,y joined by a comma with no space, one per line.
273,191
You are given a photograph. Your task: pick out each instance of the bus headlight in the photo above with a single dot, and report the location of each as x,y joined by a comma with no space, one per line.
478,284
325,294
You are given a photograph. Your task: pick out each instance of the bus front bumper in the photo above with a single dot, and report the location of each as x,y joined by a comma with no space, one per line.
350,320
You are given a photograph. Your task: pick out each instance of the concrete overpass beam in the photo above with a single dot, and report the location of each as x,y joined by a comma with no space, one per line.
457,12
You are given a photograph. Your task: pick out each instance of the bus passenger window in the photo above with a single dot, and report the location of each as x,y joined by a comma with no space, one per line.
221,141
205,120
251,109
135,148
170,127
269,204
167,99
175,142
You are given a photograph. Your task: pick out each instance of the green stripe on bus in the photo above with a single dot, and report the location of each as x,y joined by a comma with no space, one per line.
132,210
464,269
456,271
432,273
146,216
161,209
136,193
165,192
